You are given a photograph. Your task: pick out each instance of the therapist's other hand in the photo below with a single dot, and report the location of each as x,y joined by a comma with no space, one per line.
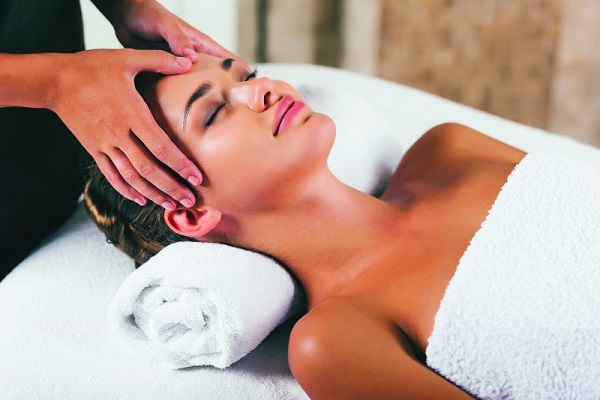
95,96
146,24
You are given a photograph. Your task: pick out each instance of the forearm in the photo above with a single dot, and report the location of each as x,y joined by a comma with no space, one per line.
108,8
28,80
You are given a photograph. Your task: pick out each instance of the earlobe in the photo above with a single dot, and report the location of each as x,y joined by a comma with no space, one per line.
191,222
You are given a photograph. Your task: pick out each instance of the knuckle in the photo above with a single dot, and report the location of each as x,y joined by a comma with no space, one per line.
180,37
188,169
183,170
129,175
173,192
162,57
159,151
200,46
158,25
147,170
113,134
119,164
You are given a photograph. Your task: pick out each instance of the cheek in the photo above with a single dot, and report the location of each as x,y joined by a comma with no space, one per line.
233,159
247,169
293,162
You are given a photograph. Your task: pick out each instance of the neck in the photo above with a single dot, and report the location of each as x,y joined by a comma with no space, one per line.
325,237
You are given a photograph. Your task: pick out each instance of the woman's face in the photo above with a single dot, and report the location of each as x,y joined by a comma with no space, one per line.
253,138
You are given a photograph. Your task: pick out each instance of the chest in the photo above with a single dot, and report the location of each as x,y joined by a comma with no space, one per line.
409,286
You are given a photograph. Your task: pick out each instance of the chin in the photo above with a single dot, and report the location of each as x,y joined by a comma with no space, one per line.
315,140
325,127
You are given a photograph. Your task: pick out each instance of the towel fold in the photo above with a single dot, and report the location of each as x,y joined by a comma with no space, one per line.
520,317
196,304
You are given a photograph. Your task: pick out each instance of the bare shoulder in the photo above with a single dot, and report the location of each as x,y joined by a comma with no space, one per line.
450,148
341,350
335,323
452,142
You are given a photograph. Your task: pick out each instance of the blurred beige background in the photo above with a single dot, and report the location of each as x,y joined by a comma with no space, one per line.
532,61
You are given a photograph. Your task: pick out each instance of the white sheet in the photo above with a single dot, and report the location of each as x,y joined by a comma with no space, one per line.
53,335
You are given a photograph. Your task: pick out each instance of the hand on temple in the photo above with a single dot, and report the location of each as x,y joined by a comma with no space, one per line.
148,25
119,131
95,97
93,93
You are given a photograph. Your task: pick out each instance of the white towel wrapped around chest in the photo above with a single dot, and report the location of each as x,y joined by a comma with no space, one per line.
521,316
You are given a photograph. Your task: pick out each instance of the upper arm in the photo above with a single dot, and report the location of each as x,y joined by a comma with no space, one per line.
342,353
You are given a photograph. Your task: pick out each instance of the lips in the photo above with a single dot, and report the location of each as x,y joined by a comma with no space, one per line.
284,106
287,110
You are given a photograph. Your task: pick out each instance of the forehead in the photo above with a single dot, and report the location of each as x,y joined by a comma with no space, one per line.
203,69
173,91
206,62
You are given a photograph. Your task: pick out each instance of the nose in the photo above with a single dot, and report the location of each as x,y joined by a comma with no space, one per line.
258,94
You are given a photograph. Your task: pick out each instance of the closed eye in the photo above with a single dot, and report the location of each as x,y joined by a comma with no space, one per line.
212,116
251,75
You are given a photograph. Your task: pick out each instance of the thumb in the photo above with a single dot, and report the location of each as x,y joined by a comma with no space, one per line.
178,42
159,61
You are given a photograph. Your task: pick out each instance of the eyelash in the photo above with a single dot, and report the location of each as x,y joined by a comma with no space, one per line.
251,75
211,118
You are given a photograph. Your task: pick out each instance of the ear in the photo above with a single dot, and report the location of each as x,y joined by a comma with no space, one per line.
192,222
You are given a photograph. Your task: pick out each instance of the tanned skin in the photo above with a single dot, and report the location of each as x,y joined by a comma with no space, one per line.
374,270
369,339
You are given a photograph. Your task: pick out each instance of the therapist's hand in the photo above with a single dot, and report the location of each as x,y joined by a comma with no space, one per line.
94,95
146,24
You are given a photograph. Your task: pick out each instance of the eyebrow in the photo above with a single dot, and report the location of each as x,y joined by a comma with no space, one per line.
203,89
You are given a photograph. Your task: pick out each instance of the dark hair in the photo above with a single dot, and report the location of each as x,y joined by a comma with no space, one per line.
138,231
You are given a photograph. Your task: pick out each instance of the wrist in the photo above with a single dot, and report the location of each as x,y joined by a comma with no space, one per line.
29,80
54,83
115,10
110,10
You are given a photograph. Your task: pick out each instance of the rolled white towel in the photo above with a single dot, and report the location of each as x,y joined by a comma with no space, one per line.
196,304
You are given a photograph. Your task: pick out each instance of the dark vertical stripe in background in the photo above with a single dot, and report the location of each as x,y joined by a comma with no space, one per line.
262,8
328,49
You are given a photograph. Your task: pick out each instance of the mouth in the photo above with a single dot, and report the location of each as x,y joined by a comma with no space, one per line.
286,111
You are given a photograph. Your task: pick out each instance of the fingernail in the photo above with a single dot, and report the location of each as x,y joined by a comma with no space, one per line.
167,205
183,61
194,181
186,203
140,201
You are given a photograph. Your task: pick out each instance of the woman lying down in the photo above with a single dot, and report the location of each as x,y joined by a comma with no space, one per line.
409,295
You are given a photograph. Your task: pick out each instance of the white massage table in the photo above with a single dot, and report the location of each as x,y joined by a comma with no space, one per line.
54,342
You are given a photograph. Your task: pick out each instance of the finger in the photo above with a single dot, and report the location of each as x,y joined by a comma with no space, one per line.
132,177
157,61
153,138
155,149
115,179
150,164
212,48
204,44
178,41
